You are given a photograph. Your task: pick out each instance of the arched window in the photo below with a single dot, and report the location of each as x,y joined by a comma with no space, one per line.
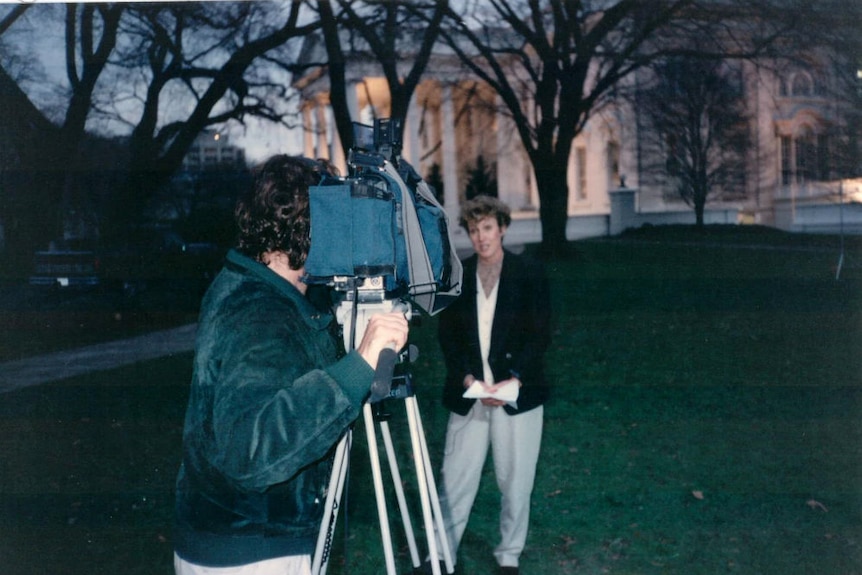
786,161
581,172
803,85
799,84
613,165
806,155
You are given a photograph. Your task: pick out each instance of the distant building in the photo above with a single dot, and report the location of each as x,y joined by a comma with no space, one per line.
212,149
207,182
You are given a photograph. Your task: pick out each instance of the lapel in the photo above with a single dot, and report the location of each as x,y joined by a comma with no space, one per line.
470,290
506,297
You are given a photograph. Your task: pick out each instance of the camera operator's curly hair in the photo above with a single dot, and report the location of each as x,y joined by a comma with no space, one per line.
482,207
274,215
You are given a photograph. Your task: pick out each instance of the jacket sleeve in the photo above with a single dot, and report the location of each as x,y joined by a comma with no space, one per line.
274,410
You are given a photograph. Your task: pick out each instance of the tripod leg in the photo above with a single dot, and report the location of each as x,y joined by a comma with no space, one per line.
421,477
333,501
433,493
399,493
378,489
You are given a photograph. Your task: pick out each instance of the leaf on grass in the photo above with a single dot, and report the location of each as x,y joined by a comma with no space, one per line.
814,504
568,541
698,495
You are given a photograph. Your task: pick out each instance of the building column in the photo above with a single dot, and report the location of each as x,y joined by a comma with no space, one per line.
352,93
515,184
451,200
411,149
353,100
308,129
336,156
322,128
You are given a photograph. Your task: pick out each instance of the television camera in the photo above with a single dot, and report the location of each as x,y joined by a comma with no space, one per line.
380,239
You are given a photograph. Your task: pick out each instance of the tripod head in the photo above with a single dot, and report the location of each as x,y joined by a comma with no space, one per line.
361,299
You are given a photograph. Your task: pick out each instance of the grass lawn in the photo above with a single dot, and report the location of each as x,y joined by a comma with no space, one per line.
706,419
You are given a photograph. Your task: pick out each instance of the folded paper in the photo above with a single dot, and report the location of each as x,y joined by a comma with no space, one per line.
507,392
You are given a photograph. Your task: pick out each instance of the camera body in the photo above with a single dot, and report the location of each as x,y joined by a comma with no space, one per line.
382,139
381,229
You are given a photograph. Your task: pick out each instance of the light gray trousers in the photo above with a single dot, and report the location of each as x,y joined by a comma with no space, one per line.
515,441
290,565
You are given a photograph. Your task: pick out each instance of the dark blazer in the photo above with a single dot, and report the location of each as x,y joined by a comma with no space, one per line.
519,337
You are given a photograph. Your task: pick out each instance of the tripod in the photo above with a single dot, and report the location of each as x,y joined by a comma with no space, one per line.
430,503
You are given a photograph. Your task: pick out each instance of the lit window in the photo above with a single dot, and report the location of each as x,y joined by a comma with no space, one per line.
613,165
786,161
806,155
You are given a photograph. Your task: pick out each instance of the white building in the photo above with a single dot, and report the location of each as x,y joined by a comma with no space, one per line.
212,149
791,185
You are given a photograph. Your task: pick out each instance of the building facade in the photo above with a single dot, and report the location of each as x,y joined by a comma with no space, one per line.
212,149
795,124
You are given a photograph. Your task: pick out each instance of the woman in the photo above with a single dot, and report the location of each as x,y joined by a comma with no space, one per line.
493,340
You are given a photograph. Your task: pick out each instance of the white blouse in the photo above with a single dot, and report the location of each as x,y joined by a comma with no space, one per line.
485,306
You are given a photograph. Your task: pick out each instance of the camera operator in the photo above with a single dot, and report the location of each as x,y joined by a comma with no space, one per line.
271,394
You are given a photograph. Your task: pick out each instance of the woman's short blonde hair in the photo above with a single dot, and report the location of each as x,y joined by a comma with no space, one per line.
482,207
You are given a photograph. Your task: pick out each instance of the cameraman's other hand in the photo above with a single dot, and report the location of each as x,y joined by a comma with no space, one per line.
383,330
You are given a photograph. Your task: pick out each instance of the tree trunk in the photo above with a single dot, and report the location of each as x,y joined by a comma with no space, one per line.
337,76
553,208
699,196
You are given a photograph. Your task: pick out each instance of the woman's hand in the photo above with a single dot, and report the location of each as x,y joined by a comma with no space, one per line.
490,401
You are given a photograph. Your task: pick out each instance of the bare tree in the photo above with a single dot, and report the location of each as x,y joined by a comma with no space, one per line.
392,33
27,139
554,63
90,37
219,61
697,127
162,73
10,17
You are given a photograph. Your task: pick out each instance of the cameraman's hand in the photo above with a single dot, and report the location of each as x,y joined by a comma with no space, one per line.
383,330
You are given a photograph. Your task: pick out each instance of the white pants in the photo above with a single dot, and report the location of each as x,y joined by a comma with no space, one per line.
515,441
291,565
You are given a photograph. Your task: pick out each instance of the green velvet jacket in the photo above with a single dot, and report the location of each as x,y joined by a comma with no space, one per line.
269,400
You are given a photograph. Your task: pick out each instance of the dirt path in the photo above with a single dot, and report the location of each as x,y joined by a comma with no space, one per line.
60,365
